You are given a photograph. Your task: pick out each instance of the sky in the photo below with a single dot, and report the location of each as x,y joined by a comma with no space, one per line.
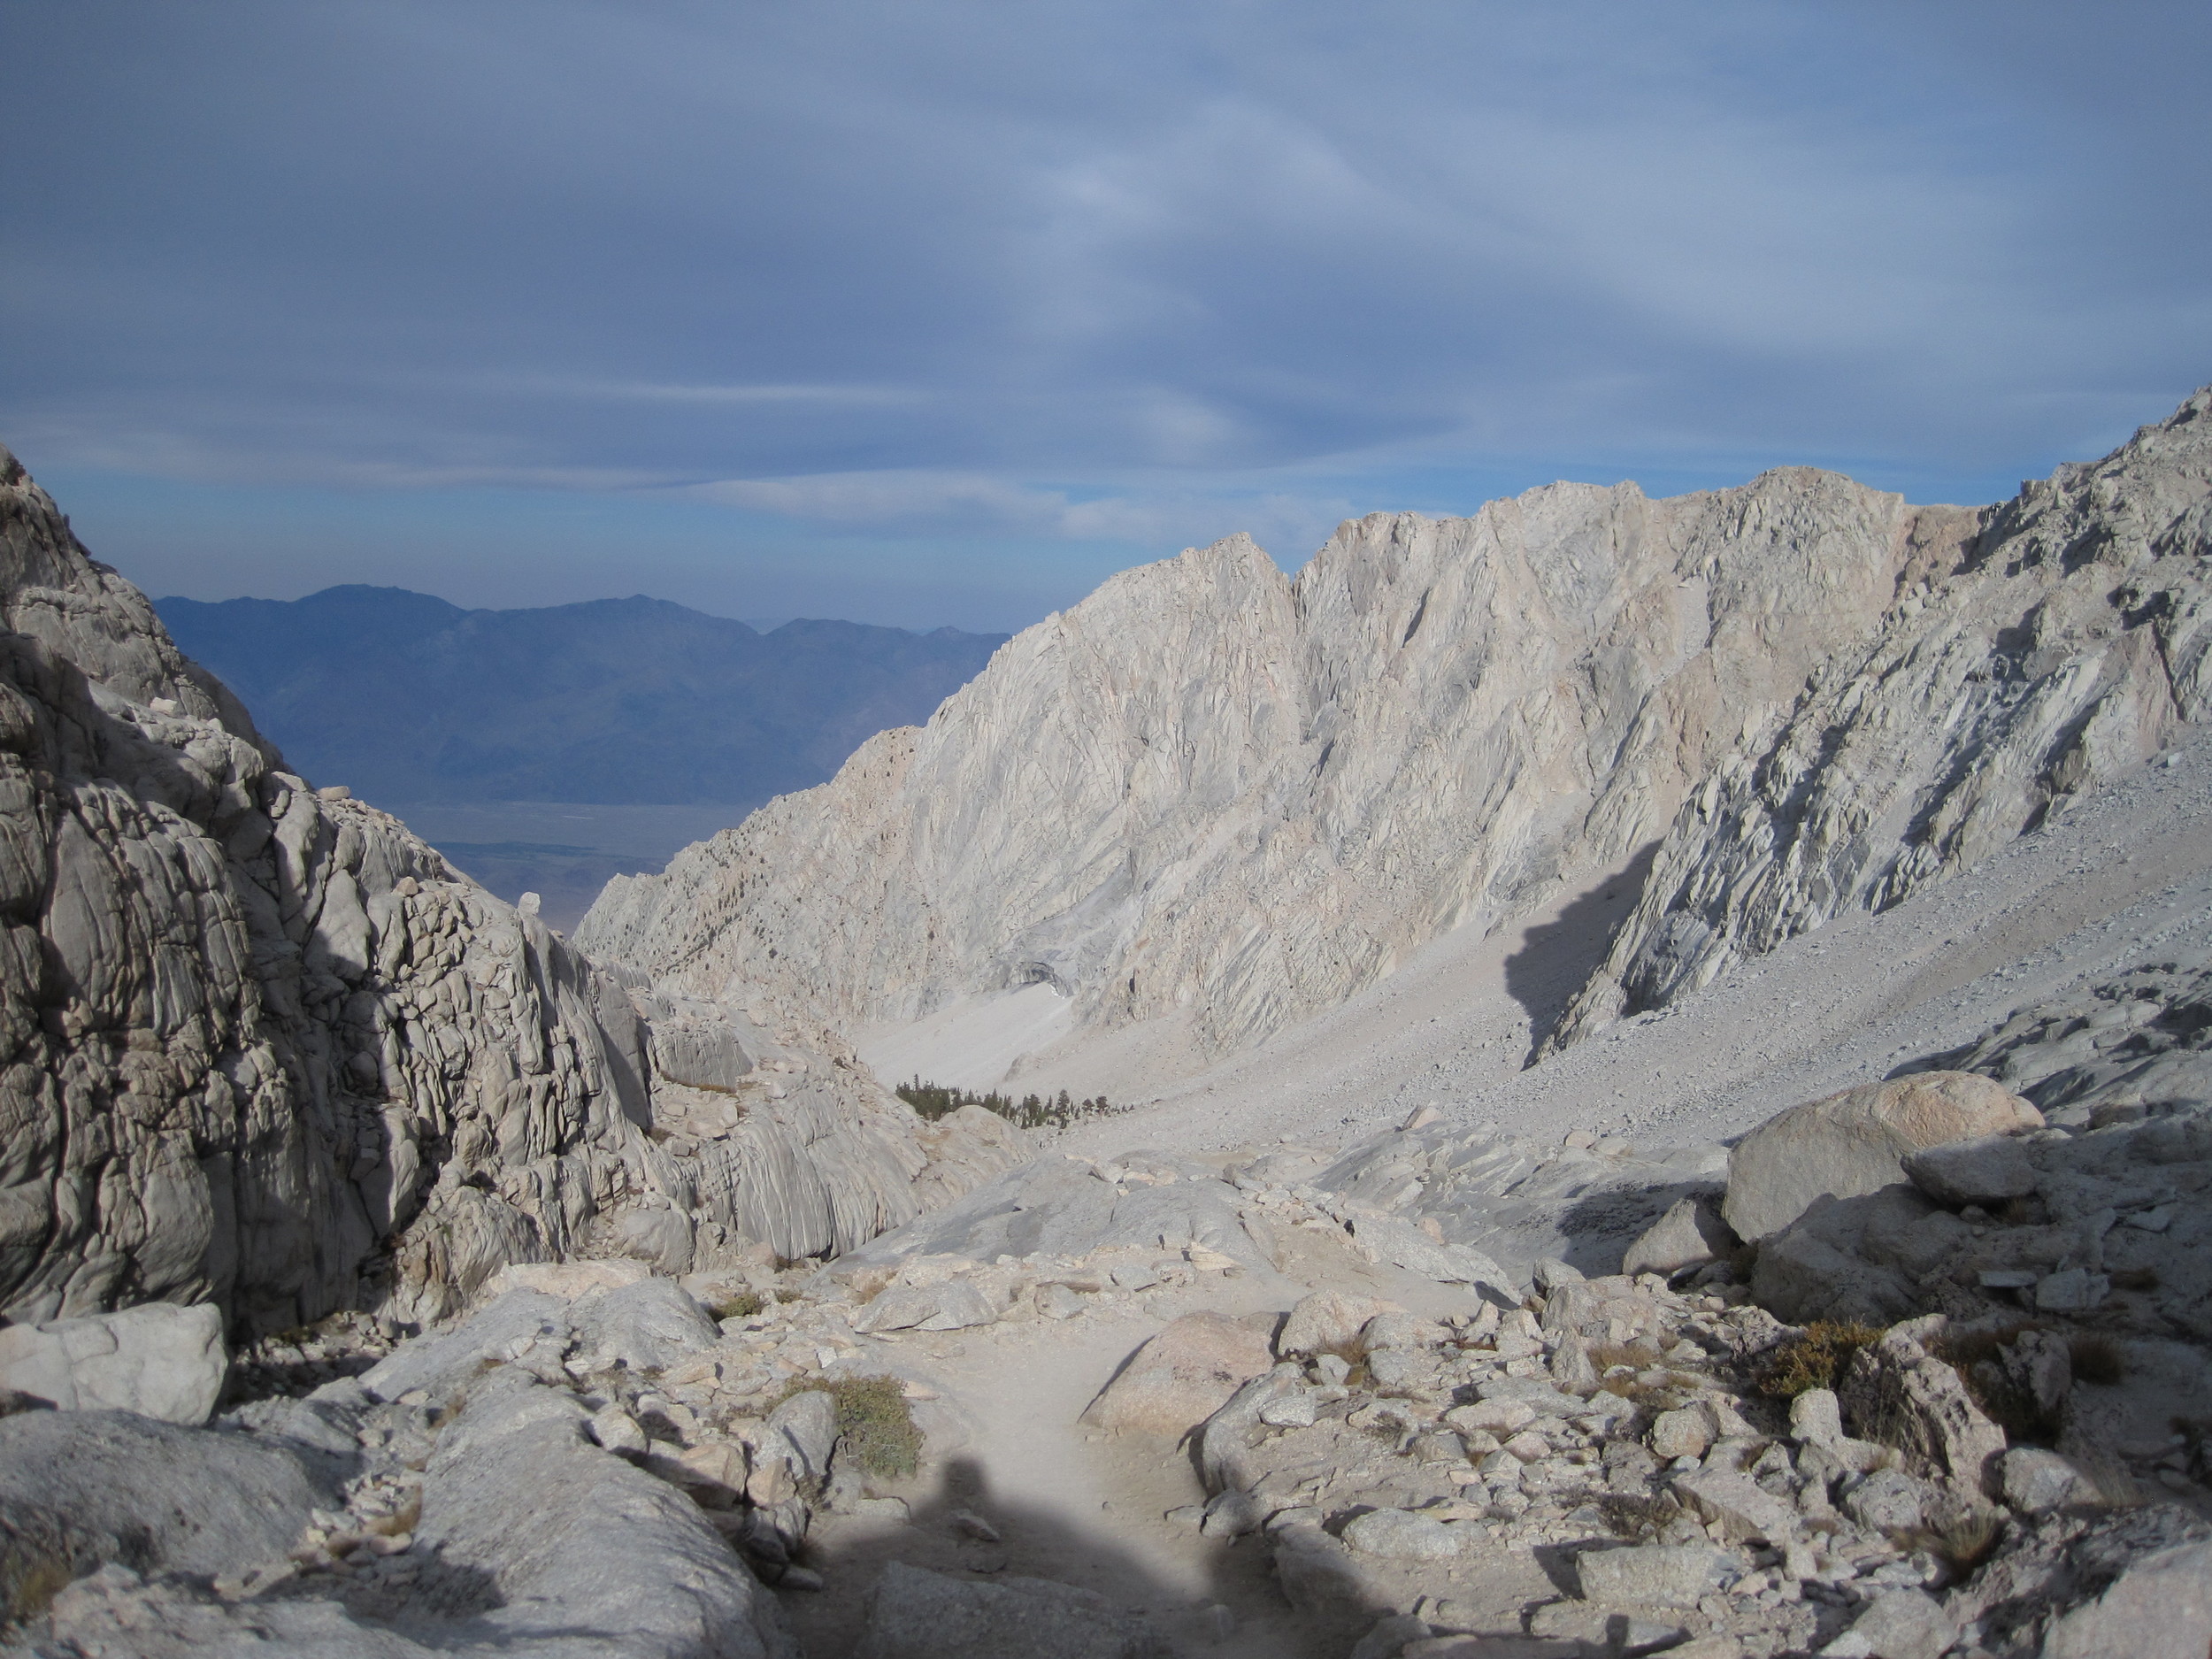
938,313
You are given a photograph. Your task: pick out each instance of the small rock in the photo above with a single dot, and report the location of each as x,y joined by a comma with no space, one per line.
2075,1290
1683,1433
1401,1535
2036,1481
1658,1574
1888,1501
968,1524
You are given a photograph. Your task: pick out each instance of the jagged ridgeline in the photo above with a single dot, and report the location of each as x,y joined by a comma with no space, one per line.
1214,795
259,1045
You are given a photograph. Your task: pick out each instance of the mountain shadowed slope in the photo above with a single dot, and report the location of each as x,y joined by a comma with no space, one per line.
406,697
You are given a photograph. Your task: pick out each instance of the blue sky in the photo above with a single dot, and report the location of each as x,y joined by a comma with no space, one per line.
935,313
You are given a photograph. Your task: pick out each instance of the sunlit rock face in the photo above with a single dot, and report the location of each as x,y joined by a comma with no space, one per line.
1212,790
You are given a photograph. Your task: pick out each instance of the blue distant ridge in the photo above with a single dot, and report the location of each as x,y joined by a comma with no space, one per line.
615,701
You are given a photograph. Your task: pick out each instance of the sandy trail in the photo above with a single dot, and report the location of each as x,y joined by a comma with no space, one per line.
1073,1504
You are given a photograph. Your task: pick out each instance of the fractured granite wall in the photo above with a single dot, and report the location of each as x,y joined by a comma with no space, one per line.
260,1045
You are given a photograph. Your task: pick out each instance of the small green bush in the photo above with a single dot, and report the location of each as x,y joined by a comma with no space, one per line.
739,1304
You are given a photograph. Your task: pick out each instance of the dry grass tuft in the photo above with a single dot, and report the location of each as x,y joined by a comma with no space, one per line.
1635,1516
1815,1358
873,1415
2098,1359
1962,1543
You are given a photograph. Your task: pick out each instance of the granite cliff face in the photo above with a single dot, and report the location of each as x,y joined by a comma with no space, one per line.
261,1046
2061,642
1212,791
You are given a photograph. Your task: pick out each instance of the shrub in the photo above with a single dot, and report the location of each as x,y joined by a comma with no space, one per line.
1962,1543
872,1416
2097,1359
1814,1358
741,1304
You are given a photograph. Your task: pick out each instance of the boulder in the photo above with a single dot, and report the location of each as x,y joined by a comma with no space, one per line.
565,1280
1656,1575
441,1367
1403,1535
1855,1142
1743,1510
157,1360
954,1304
1381,1237
2035,1481
1894,1392
1328,1321
79,1488
1823,1265
1901,1624
915,1614
1988,1171
2133,1582
1181,1376
1690,1234
652,1325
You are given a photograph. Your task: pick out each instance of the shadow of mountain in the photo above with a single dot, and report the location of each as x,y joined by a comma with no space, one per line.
1556,958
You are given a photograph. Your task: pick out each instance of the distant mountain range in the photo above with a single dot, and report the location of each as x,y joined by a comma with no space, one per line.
407,698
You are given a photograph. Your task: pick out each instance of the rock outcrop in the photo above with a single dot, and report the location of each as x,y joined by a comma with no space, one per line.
1210,793
2063,640
262,1047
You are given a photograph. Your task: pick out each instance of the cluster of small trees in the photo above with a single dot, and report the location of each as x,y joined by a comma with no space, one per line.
934,1101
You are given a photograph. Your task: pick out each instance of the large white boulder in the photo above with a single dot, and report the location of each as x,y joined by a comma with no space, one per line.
157,1360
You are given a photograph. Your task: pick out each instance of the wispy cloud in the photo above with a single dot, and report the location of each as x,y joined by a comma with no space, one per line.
1132,275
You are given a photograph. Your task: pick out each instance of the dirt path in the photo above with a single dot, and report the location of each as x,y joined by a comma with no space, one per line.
1067,1502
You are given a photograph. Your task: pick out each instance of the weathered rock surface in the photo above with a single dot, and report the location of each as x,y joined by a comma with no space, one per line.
1182,1376
1855,1142
2137,1582
1399,708
159,1361
79,1488
2059,639
254,1036
916,1614
1211,794
1690,1234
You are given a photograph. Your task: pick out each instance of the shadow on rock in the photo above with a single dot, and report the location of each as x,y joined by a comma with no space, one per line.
1557,958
